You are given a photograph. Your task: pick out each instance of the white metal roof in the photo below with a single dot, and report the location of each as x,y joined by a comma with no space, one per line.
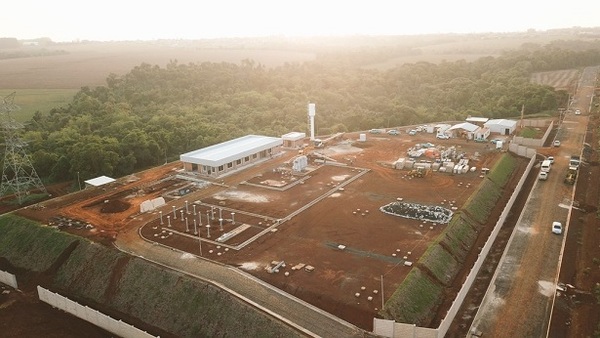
502,122
229,151
294,136
476,119
470,127
98,181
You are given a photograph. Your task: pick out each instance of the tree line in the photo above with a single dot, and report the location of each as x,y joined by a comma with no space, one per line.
152,114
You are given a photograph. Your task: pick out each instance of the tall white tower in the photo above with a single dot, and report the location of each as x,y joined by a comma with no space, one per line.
311,119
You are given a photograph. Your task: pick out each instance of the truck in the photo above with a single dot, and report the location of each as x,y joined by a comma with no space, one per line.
574,162
546,165
571,175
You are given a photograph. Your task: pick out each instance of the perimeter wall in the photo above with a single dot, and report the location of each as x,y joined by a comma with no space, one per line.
389,328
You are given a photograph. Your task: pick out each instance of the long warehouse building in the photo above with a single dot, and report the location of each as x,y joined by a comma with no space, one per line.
218,159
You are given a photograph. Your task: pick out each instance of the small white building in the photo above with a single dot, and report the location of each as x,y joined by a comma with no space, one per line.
293,140
465,130
501,126
98,181
440,129
482,134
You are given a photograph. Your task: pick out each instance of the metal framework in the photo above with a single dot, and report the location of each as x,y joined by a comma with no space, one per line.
18,175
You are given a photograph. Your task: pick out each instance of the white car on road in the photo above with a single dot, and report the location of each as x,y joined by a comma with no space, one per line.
557,228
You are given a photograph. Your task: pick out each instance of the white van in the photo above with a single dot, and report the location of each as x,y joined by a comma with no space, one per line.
546,165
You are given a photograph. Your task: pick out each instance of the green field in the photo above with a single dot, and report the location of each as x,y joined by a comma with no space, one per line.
32,100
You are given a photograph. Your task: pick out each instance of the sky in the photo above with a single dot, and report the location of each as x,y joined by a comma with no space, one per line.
67,20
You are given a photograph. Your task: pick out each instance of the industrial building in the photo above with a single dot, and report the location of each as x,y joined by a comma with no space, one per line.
216,160
501,126
464,130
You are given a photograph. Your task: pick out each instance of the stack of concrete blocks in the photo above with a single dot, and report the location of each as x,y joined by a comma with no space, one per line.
300,163
399,164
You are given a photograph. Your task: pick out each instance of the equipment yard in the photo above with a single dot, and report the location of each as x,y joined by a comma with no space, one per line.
319,235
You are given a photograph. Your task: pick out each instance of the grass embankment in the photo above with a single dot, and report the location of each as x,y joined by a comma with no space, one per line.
32,248
418,296
114,282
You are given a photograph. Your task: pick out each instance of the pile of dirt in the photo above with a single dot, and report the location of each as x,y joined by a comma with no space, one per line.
114,206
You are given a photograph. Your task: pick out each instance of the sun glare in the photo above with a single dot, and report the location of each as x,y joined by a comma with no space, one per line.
62,20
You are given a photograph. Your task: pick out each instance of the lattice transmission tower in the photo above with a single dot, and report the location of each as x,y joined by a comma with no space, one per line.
18,175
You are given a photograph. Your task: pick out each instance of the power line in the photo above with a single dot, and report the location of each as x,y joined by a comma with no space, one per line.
18,174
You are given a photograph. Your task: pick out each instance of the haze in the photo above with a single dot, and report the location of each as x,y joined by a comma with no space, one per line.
63,20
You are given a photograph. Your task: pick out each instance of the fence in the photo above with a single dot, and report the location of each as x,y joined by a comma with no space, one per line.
8,279
388,328
90,315
530,142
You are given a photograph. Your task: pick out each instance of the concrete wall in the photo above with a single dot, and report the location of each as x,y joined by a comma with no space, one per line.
90,315
410,330
8,279
529,142
521,150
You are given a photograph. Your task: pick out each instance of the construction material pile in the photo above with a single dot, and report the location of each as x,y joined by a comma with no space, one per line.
430,213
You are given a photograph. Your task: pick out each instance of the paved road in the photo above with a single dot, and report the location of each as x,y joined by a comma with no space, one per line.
305,317
519,300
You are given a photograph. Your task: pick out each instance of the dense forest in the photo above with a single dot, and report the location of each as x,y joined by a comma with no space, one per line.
152,114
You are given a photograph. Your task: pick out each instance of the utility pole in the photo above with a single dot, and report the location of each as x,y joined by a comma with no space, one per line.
18,175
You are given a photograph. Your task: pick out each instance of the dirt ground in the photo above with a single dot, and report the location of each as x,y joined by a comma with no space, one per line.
345,212
577,313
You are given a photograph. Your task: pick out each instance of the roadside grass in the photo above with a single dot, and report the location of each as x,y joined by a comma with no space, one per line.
460,235
161,297
530,132
480,205
440,263
191,308
503,170
28,245
31,100
414,300
27,200
76,276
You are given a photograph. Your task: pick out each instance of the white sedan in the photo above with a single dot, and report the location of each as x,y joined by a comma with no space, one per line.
557,228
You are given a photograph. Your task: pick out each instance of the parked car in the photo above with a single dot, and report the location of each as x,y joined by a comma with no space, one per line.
543,175
393,132
375,131
412,132
557,228
442,136
556,143
578,112
551,159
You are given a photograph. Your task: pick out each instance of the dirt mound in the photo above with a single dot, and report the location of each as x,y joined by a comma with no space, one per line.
114,206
